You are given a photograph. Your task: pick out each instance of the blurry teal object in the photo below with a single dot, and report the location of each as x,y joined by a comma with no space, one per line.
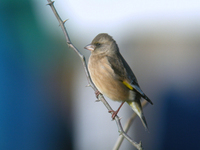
28,116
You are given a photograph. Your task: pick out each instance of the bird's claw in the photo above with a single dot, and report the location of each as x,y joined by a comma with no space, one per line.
114,114
97,93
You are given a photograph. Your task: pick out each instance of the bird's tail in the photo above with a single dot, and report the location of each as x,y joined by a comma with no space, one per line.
137,108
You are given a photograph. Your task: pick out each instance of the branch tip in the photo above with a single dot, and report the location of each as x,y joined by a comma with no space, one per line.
50,3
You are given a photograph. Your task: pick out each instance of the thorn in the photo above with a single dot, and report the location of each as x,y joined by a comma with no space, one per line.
65,21
120,118
51,3
88,85
97,100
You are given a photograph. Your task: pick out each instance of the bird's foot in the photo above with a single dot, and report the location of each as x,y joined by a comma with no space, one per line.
97,93
114,113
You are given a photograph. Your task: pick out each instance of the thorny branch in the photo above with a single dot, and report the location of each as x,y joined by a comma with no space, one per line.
100,97
126,128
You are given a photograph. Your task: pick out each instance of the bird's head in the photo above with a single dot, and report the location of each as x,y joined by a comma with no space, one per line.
102,44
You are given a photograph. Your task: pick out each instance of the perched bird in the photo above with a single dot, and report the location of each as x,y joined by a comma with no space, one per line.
112,75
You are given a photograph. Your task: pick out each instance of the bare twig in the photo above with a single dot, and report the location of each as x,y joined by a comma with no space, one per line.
100,97
126,128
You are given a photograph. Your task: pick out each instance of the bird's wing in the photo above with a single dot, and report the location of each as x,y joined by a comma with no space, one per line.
124,73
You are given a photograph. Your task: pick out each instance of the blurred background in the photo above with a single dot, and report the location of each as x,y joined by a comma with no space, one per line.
44,103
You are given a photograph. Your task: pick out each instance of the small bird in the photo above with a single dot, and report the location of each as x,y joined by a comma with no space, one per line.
112,75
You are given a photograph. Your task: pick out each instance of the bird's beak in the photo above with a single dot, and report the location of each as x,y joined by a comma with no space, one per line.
90,47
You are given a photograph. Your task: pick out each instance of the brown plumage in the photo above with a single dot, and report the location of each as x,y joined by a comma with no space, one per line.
112,75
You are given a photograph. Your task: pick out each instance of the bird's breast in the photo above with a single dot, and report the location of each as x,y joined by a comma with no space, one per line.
105,80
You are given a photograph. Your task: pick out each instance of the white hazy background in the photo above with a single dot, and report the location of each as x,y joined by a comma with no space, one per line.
160,41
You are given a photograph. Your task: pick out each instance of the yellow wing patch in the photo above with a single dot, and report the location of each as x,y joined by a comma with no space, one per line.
127,85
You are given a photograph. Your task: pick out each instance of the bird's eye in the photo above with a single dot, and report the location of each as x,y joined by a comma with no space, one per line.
98,44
